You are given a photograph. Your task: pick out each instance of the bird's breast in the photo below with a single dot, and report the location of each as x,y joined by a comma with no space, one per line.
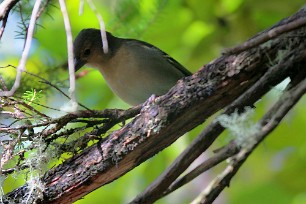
135,75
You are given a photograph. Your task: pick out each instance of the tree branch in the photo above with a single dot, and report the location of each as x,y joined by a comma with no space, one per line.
271,78
226,152
268,123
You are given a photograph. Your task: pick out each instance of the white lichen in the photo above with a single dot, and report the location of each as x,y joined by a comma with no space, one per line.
35,190
240,126
37,162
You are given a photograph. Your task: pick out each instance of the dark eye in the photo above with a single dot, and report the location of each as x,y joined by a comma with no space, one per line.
87,52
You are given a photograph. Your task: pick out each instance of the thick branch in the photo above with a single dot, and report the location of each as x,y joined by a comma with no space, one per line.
157,189
269,122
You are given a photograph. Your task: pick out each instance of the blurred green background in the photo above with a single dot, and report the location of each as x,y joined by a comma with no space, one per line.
194,32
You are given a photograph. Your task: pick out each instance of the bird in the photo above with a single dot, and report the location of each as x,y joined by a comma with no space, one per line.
134,70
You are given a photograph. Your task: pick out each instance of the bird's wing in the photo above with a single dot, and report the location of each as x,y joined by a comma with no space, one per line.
172,61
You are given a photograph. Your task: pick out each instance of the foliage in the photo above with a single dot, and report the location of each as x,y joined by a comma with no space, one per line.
194,32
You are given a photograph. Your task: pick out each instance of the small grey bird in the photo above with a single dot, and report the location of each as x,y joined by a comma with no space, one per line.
133,69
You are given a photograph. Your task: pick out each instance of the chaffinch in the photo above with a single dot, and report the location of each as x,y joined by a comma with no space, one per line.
133,69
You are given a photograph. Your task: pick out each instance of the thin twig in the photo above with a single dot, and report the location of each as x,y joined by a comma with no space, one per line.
31,108
274,32
21,67
266,125
102,26
42,9
5,8
101,22
73,100
24,27
3,84
115,114
12,170
43,80
226,152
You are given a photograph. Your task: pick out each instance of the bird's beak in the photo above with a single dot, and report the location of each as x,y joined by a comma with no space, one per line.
78,63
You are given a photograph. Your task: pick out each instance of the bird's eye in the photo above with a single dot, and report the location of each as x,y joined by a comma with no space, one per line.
87,52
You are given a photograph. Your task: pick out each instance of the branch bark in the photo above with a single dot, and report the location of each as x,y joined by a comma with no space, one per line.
269,122
161,122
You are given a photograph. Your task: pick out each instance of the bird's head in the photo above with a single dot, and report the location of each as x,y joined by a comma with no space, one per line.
88,48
